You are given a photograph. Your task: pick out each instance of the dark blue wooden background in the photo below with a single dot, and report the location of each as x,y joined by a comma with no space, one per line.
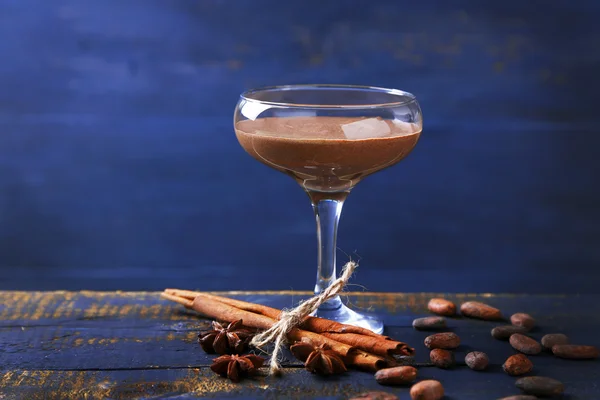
119,168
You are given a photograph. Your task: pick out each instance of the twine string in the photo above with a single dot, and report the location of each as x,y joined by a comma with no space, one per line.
289,319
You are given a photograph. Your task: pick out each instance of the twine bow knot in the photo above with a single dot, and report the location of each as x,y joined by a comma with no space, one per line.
289,319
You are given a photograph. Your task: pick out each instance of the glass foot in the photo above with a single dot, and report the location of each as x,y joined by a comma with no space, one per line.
347,316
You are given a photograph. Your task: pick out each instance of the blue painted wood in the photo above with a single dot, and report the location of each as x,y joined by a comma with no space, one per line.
119,168
136,346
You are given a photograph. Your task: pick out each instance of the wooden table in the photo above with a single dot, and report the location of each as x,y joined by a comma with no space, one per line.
131,345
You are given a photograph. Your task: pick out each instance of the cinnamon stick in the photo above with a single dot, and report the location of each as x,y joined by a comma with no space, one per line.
216,309
354,336
379,347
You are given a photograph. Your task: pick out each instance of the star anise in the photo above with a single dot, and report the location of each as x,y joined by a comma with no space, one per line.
236,367
220,340
318,359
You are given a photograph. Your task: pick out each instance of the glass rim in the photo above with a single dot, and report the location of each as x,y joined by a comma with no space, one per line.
407,97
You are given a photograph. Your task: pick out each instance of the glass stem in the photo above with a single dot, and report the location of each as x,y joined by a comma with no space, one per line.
327,213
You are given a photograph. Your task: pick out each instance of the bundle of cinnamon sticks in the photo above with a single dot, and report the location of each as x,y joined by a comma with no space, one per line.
358,347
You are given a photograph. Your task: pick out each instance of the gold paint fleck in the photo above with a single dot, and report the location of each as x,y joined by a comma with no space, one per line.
125,310
79,383
6,378
102,311
155,310
18,302
191,336
22,377
144,312
70,308
41,307
43,376
91,311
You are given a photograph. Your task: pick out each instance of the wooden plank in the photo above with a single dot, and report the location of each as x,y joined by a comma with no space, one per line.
460,383
398,309
123,345
58,305
159,348
194,383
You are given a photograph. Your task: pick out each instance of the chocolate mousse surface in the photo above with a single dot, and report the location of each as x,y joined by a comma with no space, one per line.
327,154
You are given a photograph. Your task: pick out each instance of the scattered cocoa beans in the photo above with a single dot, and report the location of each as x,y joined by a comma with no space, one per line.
476,309
427,390
506,331
517,364
525,344
551,339
540,386
402,375
429,323
476,360
442,358
575,352
523,320
444,340
375,396
442,307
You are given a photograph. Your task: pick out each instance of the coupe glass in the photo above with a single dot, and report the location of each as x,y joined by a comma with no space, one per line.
328,138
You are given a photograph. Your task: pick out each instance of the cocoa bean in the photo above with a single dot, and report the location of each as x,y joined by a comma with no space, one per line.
427,390
540,386
444,340
506,331
519,397
375,396
551,339
476,360
402,375
517,364
442,358
525,344
429,323
476,309
575,351
523,320
442,307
